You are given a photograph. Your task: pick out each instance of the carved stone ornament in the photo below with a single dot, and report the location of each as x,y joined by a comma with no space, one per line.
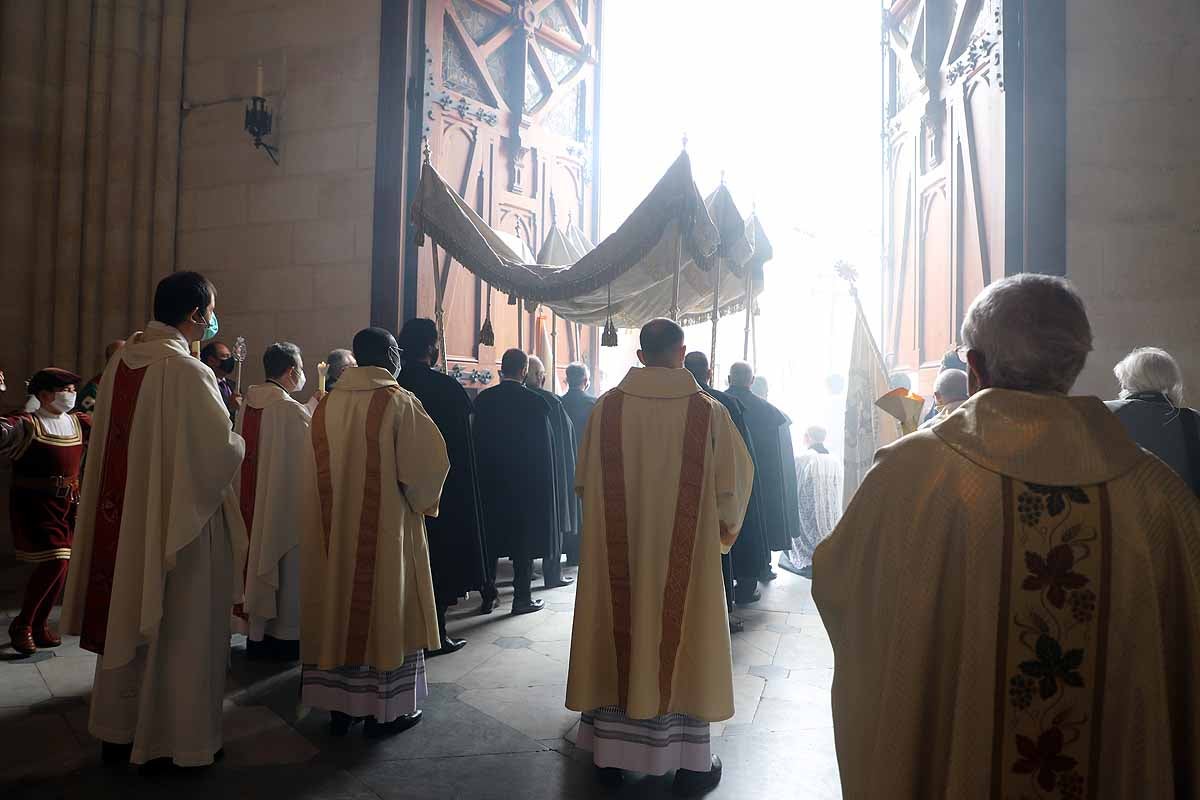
983,47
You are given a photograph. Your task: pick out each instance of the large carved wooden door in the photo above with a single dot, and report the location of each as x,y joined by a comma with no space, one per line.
509,114
969,157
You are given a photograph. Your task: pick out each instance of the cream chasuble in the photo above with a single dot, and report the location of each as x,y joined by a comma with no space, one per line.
162,461
270,487
376,469
665,480
1013,598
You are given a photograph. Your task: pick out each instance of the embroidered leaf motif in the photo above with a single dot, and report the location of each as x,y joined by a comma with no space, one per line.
1052,665
1043,757
1057,496
1039,622
1054,573
1072,533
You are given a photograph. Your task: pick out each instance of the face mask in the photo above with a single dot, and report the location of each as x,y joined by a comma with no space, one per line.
394,357
299,382
210,329
63,402
227,365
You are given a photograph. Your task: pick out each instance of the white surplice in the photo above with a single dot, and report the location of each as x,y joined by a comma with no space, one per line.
278,457
165,637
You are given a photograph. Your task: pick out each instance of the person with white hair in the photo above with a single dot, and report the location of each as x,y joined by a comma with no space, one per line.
337,362
1013,595
563,447
819,478
1153,411
950,391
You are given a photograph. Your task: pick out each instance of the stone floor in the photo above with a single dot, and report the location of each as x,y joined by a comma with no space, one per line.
494,727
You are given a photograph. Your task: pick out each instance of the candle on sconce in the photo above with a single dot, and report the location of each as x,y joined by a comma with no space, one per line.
195,349
322,370
259,89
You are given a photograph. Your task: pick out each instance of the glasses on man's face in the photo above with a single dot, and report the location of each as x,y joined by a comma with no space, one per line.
961,351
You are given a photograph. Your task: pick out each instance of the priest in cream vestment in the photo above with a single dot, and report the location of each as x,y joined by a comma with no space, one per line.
270,488
665,480
368,610
158,540
1013,596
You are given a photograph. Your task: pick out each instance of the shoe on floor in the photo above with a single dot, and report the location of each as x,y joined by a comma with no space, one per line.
379,730
449,646
528,606
46,637
609,776
689,783
768,575
490,603
785,562
805,572
21,637
563,580
340,724
745,598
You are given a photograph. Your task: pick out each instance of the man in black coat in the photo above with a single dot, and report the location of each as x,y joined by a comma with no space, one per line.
564,473
771,430
578,404
515,454
456,551
749,552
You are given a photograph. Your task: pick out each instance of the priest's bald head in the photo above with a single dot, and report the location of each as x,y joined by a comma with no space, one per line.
696,363
741,375
513,365
535,376
662,344
376,347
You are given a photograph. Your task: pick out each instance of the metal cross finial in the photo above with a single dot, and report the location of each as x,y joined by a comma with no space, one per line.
425,148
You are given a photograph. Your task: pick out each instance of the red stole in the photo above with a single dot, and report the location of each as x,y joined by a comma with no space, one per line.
110,505
251,424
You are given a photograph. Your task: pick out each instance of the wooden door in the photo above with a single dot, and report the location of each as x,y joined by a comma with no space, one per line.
509,114
970,156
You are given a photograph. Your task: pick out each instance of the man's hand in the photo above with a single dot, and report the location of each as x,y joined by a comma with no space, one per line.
320,394
236,399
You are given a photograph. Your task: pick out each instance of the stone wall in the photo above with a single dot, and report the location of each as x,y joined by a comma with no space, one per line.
288,246
1133,179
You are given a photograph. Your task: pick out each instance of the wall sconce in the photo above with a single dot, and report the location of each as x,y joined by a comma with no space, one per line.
258,119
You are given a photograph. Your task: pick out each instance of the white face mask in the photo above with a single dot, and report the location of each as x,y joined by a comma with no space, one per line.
299,382
63,402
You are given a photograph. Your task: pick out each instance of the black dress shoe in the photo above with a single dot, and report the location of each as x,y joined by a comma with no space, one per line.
768,575
562,580
448,646
689,783
745,598
805,572
113,755
490,603
609,776
379,730
339,723
283,649
527,606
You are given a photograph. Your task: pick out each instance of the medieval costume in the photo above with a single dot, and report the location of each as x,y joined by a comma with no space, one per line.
819,482
456,551
1172,434
375,473
270,490
514,446
563,447
771,430
1012,600
665,480
46,448
159,540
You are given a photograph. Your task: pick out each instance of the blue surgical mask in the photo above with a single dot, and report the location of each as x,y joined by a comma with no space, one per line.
210,330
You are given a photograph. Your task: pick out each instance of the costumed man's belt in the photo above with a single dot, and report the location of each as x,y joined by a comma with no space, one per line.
59,485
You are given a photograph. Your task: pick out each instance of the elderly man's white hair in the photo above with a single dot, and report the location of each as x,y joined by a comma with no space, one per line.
951,385
537,372
1032,332
741,374
1150,369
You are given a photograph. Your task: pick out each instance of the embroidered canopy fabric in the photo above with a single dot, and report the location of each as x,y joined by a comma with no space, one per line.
635,265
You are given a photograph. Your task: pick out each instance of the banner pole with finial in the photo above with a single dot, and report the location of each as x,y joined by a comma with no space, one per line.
679,222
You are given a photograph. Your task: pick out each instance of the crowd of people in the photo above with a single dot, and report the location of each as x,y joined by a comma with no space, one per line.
1057,606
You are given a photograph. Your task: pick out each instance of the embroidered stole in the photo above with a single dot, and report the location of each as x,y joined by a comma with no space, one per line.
251,425
1052,641
110,504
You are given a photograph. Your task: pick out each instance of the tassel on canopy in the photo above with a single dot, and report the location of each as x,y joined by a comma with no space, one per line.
609,338
487,337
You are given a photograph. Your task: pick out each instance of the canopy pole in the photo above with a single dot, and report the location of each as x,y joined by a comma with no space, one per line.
716,310
675,279
749,301
439,286
553,352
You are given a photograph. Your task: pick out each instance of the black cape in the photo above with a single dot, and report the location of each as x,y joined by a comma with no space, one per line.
456,535
749,553
564,463
771,430
515,454
579,407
